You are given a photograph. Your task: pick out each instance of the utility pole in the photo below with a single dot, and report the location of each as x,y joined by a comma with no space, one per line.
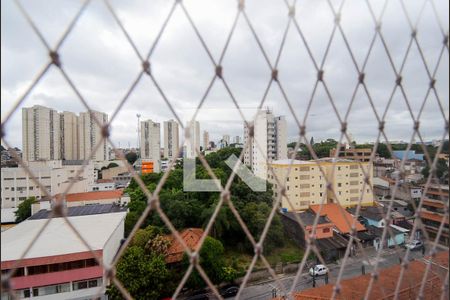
139,135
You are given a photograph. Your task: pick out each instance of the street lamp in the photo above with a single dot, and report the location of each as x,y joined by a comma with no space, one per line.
139,136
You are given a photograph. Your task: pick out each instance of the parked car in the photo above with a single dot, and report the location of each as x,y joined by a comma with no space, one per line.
229,291
414,245
318,270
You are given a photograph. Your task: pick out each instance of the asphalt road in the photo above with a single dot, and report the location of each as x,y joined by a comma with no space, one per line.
264,290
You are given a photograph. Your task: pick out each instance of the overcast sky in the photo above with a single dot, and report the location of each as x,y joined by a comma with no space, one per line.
103,65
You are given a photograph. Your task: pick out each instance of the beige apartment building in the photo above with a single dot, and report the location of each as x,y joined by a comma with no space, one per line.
40,133
90,134
55,176
306,185
69,135
205,140
171,140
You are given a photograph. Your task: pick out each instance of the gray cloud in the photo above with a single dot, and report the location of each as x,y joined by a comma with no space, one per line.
103,65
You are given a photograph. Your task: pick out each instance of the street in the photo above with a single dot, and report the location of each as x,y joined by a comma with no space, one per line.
265,290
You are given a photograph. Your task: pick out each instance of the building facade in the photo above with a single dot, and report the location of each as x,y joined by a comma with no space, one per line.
69,135
62,267
55,176
40,134
171,140
205,140
306,184
269,142
192,145
151,143
90,134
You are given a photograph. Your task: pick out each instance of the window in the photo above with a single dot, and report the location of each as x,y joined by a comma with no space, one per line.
354,174
31,188
339,168
12,189
326,230
305,194
320,194
304,186
304,177
304,169
339,184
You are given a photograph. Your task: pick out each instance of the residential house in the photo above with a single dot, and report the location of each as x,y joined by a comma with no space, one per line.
435,211
175,252
330,243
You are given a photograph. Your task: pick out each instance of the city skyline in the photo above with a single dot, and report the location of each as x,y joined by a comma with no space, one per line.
245,71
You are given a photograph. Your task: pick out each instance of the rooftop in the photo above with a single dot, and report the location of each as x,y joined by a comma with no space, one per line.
384,287
432,216
85,210
293,162
58,238
191,236
307,217
338,216
369,212
91,196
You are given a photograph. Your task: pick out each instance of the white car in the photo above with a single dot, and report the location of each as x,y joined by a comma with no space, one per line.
318,270
415,244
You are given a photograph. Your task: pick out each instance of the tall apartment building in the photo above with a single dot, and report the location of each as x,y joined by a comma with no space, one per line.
226,139
151,143
237,139
90,134
171,140
306,185
194,140
269,142
205,140
40,133
69,135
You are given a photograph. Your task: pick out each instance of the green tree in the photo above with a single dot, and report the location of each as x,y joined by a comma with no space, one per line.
212,261
441,169
23,211
112,165
143,274
131,157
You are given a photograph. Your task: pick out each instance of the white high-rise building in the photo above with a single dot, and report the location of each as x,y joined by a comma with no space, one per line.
151,143
171,140
90,134
69,135
194,140
237,139
205,140
269,143
226,139
40,133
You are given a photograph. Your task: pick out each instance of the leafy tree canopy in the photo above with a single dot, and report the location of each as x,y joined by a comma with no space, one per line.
23,211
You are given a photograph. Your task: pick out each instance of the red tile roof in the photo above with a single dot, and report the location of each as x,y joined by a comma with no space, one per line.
384,287
338,216
191,237
432,216
92,196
